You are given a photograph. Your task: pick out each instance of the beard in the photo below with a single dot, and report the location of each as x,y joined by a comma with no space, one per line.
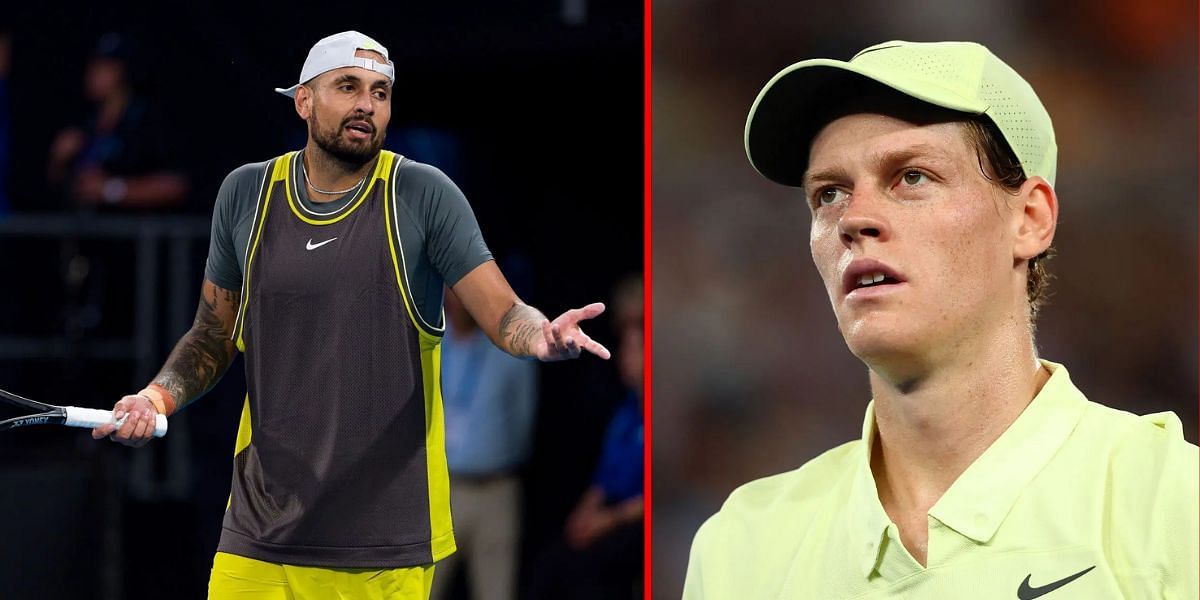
353,154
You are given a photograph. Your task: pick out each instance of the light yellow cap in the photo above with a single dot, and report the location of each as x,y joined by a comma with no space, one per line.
962,76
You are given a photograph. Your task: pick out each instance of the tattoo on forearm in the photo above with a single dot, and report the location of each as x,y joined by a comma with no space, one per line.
204,352
521,328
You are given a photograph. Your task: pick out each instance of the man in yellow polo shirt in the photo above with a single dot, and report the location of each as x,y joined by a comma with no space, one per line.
982,472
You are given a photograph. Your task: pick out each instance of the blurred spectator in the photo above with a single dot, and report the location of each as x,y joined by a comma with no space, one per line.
489,399
119,158
121,155
600,556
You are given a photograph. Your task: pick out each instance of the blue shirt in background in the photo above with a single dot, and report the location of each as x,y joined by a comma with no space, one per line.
489,399
619,472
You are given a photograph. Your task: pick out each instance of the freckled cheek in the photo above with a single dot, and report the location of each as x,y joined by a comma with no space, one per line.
825,247
967,256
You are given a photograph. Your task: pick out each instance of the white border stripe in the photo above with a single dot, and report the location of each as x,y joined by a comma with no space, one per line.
400,242
249,243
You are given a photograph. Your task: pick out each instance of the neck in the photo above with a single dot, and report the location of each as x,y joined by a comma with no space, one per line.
330,173
932,424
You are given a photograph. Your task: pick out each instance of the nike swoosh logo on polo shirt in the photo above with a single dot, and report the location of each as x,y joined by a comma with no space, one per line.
1026,592
312,246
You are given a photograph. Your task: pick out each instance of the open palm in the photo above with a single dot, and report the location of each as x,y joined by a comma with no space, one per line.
563,339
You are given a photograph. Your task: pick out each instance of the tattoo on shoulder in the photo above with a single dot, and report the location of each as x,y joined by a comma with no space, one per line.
520,329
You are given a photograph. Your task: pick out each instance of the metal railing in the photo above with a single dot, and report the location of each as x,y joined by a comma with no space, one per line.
145,345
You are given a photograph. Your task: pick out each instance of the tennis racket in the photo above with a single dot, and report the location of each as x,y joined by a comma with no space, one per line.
71,416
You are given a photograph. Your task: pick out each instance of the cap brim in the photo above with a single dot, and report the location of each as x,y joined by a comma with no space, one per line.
289,92
801,99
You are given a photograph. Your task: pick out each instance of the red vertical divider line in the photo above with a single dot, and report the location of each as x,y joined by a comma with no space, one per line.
647,301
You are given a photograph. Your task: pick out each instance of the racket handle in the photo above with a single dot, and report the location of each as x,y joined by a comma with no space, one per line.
91,418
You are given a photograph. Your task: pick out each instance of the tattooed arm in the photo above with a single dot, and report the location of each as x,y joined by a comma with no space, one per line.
206,350
520,329
198,361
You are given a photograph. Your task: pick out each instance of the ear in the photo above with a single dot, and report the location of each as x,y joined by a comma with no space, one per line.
304,100
1037,219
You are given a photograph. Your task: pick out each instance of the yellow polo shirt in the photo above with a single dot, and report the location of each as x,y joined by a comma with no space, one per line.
1074,500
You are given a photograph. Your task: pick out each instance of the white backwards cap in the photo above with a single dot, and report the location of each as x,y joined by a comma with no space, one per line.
337,51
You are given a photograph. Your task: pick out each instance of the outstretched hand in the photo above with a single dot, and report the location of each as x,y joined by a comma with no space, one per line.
563,339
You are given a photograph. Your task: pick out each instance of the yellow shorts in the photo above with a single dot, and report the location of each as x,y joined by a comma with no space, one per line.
238,577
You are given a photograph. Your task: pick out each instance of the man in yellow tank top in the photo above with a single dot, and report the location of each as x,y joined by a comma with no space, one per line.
325,268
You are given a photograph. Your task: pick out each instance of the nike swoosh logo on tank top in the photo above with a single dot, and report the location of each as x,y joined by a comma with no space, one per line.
311,246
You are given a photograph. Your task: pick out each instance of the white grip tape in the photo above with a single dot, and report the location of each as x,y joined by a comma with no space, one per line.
92,418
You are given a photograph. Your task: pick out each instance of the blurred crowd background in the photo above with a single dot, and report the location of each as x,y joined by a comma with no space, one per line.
118,122
751,376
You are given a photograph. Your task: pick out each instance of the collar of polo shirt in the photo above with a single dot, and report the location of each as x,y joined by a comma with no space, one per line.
979,500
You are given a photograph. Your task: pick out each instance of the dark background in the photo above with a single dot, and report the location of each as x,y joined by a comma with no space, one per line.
533,107
751,376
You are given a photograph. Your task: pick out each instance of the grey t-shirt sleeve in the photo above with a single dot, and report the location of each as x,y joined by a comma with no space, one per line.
236,201
453,241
